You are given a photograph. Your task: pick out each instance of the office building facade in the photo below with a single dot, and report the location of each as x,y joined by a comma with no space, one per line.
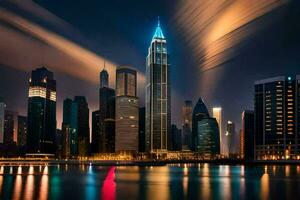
158,95
276,113
41,112
2,109
247,135
22,130
127,110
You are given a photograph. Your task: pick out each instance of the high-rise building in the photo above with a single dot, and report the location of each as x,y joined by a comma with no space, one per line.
277,102
176,138
41,112
142,135
107,115
187,111
22,130
127,110
103,78
10,127
247,135
158,95
95,146
83,128
217,114
70,128
230,136
206,138
2,108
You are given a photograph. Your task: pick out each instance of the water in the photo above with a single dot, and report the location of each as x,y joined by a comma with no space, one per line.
185,181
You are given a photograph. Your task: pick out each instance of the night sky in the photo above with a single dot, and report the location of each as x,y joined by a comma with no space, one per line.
217,48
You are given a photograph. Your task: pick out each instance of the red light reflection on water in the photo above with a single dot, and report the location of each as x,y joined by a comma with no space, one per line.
108,191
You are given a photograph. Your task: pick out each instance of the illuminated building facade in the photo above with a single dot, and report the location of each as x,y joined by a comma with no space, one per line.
206,138
187,111
41,112
2,108
127,110
70,128
231,139
158,95
106,136
277,111
247,135
83,127
217,114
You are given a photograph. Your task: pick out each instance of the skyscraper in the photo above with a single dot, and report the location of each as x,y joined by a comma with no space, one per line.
247,135
177,138
10,127
41,112
277,102
187,112
83,125
230,136
22,130
95,146
206,138
158,94
142,129
217,113
103,78
70,128
107,115
2,108
127,110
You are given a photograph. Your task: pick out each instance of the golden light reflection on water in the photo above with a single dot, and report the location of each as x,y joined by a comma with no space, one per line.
264,185
44,184
287,170
206,182
29,185
18,187
158,183
1,178
185,179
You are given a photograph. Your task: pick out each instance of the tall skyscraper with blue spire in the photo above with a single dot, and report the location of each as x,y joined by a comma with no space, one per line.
158,95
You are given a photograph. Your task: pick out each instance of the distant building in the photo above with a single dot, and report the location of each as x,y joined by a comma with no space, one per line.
70,128
247,135
277,102
127,110
22,130
187,111
142,136
2,108
158,95
107,115
83,127
230,139
176,138
96,137
206,138
217,114
41,112
58,142
10,127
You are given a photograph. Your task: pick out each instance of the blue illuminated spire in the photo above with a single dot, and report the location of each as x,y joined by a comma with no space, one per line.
158,32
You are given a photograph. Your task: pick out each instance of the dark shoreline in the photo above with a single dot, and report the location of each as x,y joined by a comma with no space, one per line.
144,163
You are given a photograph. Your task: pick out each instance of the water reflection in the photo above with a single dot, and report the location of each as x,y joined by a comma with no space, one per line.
199,181
43,191
108,191
29,186
18,187
264,190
